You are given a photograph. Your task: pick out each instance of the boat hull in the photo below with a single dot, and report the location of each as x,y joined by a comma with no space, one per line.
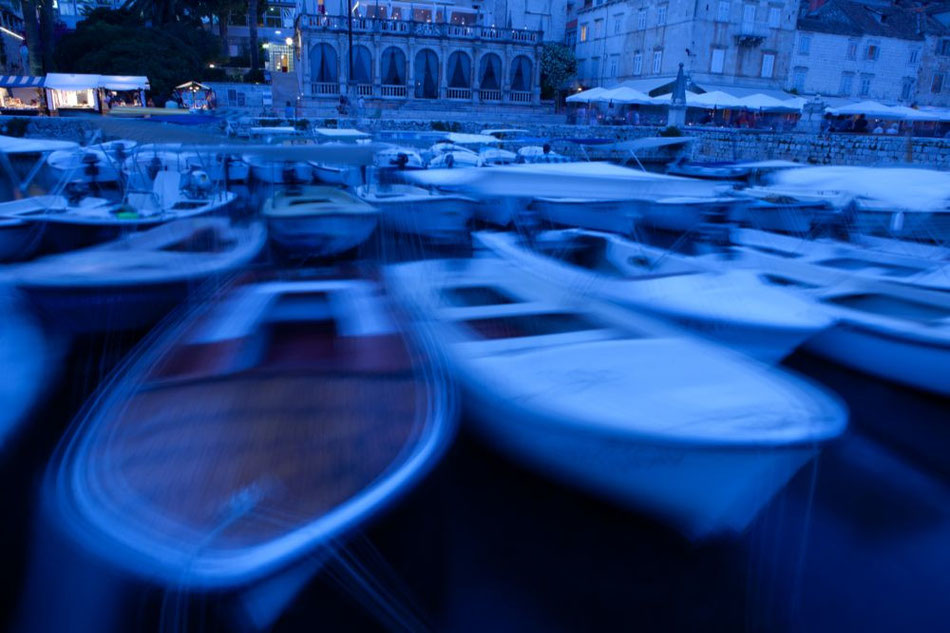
702,491
924,366
783,218
679,216
337,175
273,173
614,216
19,239
500,211
321,235
440,220
917,224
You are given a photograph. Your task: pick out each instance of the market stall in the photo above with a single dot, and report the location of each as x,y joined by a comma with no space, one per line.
21,95
72,93
123,91
195,96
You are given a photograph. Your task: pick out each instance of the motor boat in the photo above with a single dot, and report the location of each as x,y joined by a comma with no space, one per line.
267,170
336,174
731,307
249,439
24,162
27,357
131,282
538,154
895,331
681,166
398,158
432,215
842,260
318,221
614,402
774,210
618,216
496,156
99,163
455,158
220,167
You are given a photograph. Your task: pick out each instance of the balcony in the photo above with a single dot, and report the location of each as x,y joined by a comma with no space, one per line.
324,89
489,95
458,93
519,96
751,34
336,23
394,92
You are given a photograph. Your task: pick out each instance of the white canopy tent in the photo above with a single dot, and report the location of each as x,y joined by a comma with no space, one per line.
869,108
587,96
766,103
714,99
624,95
72,91
123,82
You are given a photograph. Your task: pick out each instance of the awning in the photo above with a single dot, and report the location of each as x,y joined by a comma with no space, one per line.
742,91
587,96
123,82
20,81
766,103
623,95
652,87
64,81
714,99
192,85
869,108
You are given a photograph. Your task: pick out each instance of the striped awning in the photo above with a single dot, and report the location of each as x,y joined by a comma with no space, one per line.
20,81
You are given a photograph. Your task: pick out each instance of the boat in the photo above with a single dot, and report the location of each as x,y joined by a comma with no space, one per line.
455,158
244,444
267,170
333,173
19,236
728,171
24,159
131,282
398,158
220,167
731,307
27,357
538,154
435,216
894,331
618,216
842,260
318,221
614,402
99,163
770,209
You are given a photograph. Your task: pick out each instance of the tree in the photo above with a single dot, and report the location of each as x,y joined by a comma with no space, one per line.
252,33
558,66
39,21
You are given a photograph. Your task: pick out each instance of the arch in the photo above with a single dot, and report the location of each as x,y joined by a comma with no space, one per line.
324,64
362,65
393,67
426,71
489,72
459,70
521,74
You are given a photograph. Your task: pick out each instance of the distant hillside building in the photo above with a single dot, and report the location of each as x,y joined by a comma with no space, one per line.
858,50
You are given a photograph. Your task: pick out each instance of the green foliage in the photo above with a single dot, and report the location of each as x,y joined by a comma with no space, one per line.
558,66
117,42
254,76
672,130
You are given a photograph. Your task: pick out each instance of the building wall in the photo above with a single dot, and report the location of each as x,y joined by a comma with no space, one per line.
820,69
933,63
689,34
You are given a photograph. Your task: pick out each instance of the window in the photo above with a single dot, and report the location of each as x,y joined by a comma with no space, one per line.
595,67
748,13
798,79
944,47
661,14
718,60
725,8
614,63
768,64
775,17
865,85
598,29
844,88
618,23
907,89
804,44
657,61
914,56
583,32
937,84
641,19
872,51
637,63
852,50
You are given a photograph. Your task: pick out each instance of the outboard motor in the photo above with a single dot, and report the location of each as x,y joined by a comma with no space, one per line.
287,174
197,183
402,160
90,164
75,192
120,153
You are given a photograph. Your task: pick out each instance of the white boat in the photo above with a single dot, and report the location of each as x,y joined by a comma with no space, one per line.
731,307
613,402
455,158
266,170
220,167
772,209
897,332
25,161
27,357
131,282
100,163
336,174
496,156
681,166
618,216
537,154
843,260
398,158
315,221
413,210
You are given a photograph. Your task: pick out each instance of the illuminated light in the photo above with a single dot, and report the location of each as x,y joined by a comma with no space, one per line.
289,41
210,65
11,33
277,32
265,45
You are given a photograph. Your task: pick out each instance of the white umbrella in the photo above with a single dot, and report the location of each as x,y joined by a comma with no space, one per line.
623,95
587,96
761,101
714,99
868,108
910,114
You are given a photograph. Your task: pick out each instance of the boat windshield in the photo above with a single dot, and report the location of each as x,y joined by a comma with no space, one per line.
891,306
852,263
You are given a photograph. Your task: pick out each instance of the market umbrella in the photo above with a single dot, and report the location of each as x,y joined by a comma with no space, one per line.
764,102
868,108
623,95
587,96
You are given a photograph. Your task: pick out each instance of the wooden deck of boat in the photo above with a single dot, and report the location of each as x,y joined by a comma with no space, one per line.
204,456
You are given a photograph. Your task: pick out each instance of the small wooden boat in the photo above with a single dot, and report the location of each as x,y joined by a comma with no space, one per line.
26,357
130,283
843,260
440,217
897,332
731,307
251,439
771,210
614,402
315,221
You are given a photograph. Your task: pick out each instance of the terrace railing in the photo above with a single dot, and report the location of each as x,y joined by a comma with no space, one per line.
421,29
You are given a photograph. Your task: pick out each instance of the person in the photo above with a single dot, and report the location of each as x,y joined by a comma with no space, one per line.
826,124
878,128
861,125
546,148
361,103
893,129
289,111
150,103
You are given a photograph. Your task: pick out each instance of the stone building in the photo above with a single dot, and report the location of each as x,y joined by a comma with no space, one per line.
933,78
444,56
857,50
744,43
13,58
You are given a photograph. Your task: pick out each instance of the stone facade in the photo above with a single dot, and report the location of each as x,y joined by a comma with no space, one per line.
933,77
724,42
431,56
